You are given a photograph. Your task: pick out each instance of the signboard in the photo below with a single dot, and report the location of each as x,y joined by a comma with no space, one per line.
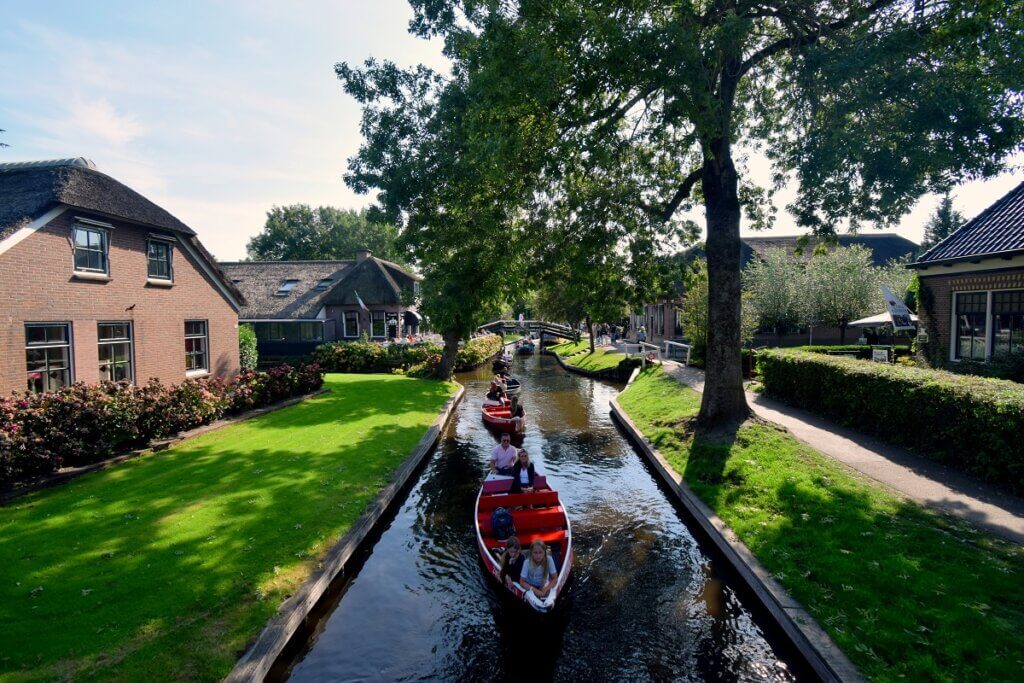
880,355
898,312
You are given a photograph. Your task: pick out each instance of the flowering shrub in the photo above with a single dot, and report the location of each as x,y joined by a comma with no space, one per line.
83,423
367,356
476,351
426,368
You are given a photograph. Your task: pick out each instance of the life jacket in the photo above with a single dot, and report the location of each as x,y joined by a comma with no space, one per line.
502,524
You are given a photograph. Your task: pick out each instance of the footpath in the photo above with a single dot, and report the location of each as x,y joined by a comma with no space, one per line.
910,474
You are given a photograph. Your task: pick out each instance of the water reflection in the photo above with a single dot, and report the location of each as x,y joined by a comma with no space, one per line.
644,603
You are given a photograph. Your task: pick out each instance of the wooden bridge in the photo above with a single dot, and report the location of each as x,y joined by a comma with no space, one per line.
554,329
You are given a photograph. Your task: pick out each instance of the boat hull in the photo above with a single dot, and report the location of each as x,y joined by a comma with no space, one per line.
537,514
499,417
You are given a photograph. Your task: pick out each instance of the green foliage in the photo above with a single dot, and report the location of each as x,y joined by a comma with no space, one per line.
774,283
694,311
248,353
906,592
839,287
863,351
970,423
368,356
299,232
175,562
941,224
476,351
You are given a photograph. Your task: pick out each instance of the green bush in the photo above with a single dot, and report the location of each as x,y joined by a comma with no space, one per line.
367,356
974,424
248,355
476,351
862,350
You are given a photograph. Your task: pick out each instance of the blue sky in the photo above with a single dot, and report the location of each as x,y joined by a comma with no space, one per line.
219,110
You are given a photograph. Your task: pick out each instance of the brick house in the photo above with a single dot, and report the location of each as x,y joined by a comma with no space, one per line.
100,283
660,317
972,287
296,305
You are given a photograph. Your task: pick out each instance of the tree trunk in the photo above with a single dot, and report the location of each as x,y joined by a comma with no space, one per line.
724,402
446,367
842,333
590,331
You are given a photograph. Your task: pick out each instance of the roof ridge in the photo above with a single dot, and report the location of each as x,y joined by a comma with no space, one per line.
972,223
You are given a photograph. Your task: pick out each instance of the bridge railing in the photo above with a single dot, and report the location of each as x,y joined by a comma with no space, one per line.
672,349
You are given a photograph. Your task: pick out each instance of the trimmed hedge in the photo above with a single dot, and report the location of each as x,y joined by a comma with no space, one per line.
85,423
367,356
862,350
975,424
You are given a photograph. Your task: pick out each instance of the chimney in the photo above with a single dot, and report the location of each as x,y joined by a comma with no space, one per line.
362,255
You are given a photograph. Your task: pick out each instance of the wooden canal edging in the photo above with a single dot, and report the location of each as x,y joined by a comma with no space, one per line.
817,650
257,661
67,474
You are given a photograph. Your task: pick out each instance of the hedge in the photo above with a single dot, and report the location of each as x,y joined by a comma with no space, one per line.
85,423
862,350
474,352
368,356
975,424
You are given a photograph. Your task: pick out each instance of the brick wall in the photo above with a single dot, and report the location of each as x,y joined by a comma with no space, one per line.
935,310
37,285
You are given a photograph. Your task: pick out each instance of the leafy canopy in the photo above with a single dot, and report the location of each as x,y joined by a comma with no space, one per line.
299,232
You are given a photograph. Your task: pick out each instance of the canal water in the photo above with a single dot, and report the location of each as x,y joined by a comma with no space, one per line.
645,602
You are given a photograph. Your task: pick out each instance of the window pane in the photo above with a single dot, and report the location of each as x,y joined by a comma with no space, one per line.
81,260
35,335
81,238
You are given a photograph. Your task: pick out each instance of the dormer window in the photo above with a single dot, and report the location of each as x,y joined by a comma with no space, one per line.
286,288
90,249
324,284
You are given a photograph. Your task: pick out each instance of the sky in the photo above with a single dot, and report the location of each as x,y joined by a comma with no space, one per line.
218,111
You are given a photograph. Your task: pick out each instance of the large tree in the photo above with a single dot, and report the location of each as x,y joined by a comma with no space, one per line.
774,283
866,104
299,232
839,286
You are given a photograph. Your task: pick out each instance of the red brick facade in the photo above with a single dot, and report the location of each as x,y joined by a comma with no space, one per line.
37,284
936,307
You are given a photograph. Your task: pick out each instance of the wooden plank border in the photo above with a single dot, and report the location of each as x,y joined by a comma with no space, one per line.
68,473
817,650
257,661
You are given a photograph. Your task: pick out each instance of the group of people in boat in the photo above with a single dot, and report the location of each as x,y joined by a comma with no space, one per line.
534,572
513,462
497,394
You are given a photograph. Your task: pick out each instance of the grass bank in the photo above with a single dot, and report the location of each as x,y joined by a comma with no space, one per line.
166,566
906,592
579,355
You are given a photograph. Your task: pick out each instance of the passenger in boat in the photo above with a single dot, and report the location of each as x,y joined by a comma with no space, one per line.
523,473
503,457
512,562
496,393
538,575
517,413
499,380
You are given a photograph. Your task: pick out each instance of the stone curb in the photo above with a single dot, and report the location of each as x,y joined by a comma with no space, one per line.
819,653
256,663
155,446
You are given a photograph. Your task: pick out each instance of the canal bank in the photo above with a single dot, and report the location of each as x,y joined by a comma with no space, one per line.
646,603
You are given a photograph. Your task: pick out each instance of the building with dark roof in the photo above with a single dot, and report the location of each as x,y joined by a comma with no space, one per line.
296,305
101,283
662,322
972,286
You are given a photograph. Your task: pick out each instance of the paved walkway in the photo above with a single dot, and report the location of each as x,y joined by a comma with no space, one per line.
910,474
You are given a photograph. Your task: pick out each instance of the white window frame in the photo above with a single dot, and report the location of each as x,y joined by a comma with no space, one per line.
70,345
344,325
384,322
105,234
169,243
991,332
111,342
194,372
954,324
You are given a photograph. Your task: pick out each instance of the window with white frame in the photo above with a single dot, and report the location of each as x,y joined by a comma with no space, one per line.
48,356
378,328
970,325
158,259
90,249
351,323
1007,322
115,350
197,345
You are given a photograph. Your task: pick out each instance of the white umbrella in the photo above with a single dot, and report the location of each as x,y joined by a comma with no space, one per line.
878,320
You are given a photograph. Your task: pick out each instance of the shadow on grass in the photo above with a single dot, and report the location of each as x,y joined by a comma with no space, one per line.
179,556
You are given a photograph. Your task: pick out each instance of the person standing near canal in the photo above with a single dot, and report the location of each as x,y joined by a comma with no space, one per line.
503,457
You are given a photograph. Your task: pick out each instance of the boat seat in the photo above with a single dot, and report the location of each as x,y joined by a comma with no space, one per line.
529,520
549,537
488,503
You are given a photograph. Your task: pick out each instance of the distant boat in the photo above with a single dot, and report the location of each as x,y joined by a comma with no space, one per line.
512,386
525,347
537,515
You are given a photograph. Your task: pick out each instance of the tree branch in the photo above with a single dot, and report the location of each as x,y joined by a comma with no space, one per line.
678,198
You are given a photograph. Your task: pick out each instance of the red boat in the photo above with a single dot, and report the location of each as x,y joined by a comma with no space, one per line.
500,418
537,515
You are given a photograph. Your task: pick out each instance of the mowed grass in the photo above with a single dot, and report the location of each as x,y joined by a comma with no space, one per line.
568,348
907,593
579,355
166,567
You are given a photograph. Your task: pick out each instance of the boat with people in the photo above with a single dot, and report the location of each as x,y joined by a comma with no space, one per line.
539,525
525,346
500,418
512,386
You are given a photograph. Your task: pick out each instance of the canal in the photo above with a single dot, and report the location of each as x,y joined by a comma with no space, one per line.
645,602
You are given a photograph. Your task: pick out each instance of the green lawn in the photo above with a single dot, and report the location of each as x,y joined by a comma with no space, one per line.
579,355
906,592
166,566
568,348
511,337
